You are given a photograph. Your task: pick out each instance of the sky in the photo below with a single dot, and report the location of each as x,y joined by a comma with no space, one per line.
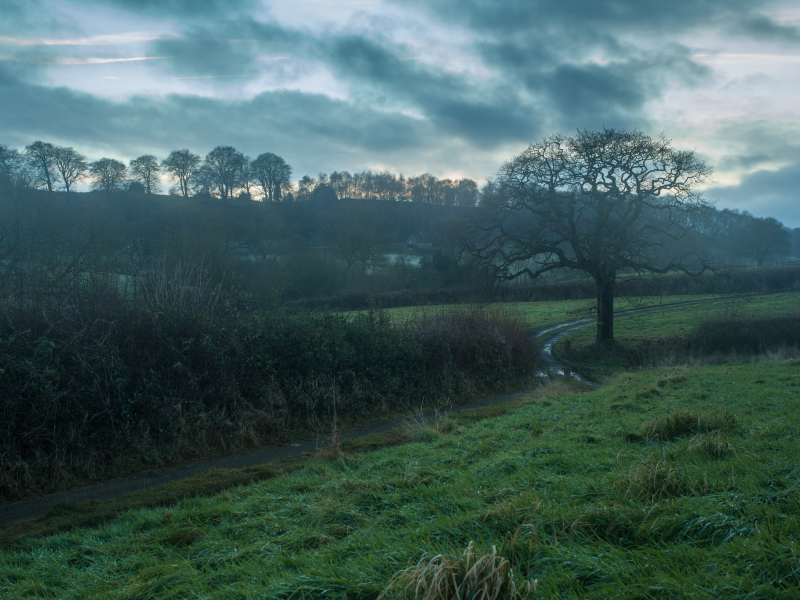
450,87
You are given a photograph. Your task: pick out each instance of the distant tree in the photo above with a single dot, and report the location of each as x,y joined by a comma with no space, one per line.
598,202
273,174
247,178
323,194
223,167
759,238
41,156
355,234
305,186
135,187
182,166
466,193
423,188
70,165
108,174
145,170
342,184
12,164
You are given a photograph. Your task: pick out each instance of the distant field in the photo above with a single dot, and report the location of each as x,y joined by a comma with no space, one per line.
678,483
543,314
680,321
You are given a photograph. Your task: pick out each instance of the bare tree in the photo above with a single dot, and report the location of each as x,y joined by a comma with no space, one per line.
41,156
108,174
223,167
247,177
70,165
182,165
342,184
13,168
355,234
145,170
273,174
598,202
305,187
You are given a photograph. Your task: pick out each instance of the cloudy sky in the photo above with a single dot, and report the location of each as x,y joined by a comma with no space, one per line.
451,87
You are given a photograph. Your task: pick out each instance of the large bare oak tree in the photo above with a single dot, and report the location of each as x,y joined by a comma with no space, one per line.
600,202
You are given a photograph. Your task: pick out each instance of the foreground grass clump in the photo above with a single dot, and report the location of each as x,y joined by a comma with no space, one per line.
471,576
98,382
576,499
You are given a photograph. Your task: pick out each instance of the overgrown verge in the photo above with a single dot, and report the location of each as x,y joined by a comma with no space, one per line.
98,380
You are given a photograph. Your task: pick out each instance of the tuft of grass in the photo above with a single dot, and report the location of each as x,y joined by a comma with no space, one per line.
654,479
713,444
671,378
417,428
471,576
684,422
332,450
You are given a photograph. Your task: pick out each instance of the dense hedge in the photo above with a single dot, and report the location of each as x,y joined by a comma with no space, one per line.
98,383
746,335
743,280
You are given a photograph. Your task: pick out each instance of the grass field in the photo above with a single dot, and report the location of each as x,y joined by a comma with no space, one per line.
632,332
662,484
542,314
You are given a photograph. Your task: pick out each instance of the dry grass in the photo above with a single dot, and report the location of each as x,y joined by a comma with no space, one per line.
683,422
419,428
332,450
470,576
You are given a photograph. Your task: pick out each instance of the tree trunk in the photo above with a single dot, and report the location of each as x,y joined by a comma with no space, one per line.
605,305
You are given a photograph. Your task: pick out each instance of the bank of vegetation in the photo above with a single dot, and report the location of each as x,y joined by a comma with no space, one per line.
102,375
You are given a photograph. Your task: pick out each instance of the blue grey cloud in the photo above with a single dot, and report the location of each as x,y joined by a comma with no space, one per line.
765,194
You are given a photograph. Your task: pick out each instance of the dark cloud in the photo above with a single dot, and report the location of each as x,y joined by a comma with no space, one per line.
761,27
309,130
20,16
765,194
578,22
232,48
191,10
480,113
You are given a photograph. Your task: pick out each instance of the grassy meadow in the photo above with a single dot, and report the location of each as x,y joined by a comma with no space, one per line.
672,483
538,315
661,338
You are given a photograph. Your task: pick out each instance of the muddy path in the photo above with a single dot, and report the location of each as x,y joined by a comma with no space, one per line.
548,337
31,508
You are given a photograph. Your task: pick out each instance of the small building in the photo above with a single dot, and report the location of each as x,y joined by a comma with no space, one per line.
417,240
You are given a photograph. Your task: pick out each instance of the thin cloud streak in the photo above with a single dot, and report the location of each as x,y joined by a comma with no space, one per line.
95,40
747,58
76,61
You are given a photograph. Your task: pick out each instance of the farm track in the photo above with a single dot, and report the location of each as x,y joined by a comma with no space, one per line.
31,508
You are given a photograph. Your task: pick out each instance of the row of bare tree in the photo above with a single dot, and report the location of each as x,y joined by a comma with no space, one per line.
224,172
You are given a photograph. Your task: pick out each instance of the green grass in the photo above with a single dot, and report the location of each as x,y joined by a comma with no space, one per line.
637,334
542,314
574,490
